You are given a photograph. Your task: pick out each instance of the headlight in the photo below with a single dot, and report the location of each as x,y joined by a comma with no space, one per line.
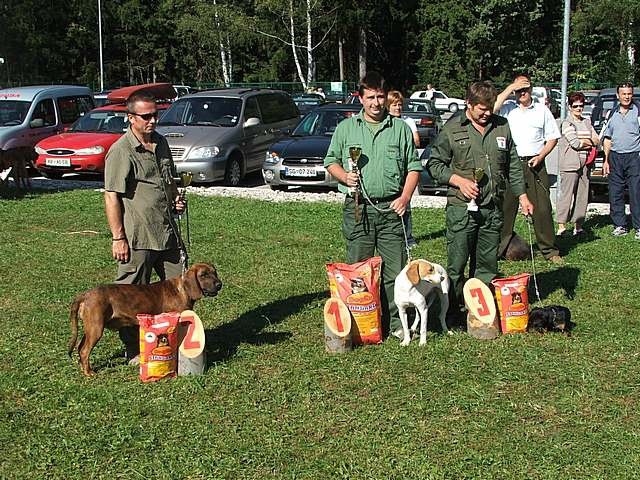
40,151
272,157
90,151
203,152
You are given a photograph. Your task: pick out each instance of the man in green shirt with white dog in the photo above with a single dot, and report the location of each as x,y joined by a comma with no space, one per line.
387,173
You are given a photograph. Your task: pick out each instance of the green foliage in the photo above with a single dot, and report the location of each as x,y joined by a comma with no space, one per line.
272,403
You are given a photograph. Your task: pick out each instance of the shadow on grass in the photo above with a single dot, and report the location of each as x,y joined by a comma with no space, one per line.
564,278
432,235
223,341
568,242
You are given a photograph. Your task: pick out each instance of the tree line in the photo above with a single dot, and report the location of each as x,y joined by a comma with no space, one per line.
447,43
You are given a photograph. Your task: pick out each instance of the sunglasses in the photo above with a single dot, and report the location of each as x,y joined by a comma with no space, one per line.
145,116
521,91
577,105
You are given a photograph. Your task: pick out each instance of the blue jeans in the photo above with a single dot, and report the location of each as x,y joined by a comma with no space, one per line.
624,169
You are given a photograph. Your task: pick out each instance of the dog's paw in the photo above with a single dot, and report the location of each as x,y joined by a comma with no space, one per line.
450,332
405,342
423,342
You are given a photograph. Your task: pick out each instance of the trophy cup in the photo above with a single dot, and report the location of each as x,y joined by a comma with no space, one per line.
354,154
478,173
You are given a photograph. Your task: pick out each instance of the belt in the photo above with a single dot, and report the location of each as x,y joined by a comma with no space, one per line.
375,200
524,159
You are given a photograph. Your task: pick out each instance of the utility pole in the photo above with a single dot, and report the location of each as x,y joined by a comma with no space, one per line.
100,42
565,57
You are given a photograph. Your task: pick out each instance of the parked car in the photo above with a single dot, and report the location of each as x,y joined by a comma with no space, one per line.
427,184
353,99
544,95
83,147
307,102
100,98
29,114
441,101
298,160
223,134
427,119
182,90
589,98
604,103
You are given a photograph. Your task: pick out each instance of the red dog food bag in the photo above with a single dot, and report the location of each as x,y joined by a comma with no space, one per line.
513,302
358,286
158,346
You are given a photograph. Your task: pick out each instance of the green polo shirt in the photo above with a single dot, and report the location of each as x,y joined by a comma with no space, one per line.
138,174
459,148
388,153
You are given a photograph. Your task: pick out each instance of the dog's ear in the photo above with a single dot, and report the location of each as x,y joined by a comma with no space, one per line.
425,268
413,273
191,283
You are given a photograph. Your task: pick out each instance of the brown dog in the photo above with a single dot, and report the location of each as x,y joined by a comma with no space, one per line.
114,306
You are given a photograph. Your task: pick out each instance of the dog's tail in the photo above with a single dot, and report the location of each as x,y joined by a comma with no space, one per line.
73,319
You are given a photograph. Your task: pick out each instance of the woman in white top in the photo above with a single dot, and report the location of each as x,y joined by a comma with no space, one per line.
578,136
394,105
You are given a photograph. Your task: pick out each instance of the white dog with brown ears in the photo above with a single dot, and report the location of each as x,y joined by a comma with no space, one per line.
416,286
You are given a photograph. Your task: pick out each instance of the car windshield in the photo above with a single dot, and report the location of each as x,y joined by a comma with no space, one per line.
102,121
203,111
321,122
13,112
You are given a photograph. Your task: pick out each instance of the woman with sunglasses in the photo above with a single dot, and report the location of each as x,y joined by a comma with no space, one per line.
578,137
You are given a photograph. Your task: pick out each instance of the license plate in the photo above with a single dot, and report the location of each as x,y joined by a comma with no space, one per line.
57,162
300,172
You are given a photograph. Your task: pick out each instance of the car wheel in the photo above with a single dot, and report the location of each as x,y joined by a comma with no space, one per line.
278,188
453,108
233,175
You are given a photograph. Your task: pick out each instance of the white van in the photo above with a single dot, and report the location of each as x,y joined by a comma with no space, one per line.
29,114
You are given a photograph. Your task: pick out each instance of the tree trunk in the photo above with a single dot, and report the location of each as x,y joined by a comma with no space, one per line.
311,67
293,46
341,58
362,53
223,52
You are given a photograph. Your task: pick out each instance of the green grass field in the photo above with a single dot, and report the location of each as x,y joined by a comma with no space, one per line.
272,404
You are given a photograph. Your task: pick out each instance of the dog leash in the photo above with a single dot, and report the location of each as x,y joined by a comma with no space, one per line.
529,221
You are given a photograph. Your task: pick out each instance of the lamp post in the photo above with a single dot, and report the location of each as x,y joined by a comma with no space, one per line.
100,43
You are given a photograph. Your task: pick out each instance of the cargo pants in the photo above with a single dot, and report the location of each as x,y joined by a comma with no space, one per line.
537,183
382,232
471,237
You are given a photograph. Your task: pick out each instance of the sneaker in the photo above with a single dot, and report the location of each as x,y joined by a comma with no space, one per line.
135,360
398,334
637,236
577,231
560,232
619,231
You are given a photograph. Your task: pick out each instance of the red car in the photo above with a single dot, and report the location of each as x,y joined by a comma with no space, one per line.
83,147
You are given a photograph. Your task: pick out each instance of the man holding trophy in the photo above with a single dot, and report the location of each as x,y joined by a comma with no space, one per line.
475,155
374,158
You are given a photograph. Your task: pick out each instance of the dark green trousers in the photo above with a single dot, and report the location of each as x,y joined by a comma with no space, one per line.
471,237
537,182
382,233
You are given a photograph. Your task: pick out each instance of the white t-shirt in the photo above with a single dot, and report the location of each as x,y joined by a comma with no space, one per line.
411,122
530,127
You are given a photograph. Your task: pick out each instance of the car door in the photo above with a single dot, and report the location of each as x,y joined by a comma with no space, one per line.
43,122
253,136
440,100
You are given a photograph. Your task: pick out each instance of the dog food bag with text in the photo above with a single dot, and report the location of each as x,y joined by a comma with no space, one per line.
513,302
358,286
158,346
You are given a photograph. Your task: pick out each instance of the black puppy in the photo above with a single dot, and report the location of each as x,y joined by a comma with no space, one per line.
517,249
554,318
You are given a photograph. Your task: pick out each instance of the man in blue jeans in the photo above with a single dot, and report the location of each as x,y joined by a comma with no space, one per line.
622,160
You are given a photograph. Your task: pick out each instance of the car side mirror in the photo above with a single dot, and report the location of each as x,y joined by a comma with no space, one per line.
252,122
37,123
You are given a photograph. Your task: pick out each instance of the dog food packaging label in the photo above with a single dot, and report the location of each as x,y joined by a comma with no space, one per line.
513,302
358,286
158,346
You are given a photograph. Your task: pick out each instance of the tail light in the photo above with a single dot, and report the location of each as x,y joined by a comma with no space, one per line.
427,122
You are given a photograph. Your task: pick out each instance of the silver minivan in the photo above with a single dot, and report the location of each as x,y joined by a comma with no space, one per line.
29,114
223,134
